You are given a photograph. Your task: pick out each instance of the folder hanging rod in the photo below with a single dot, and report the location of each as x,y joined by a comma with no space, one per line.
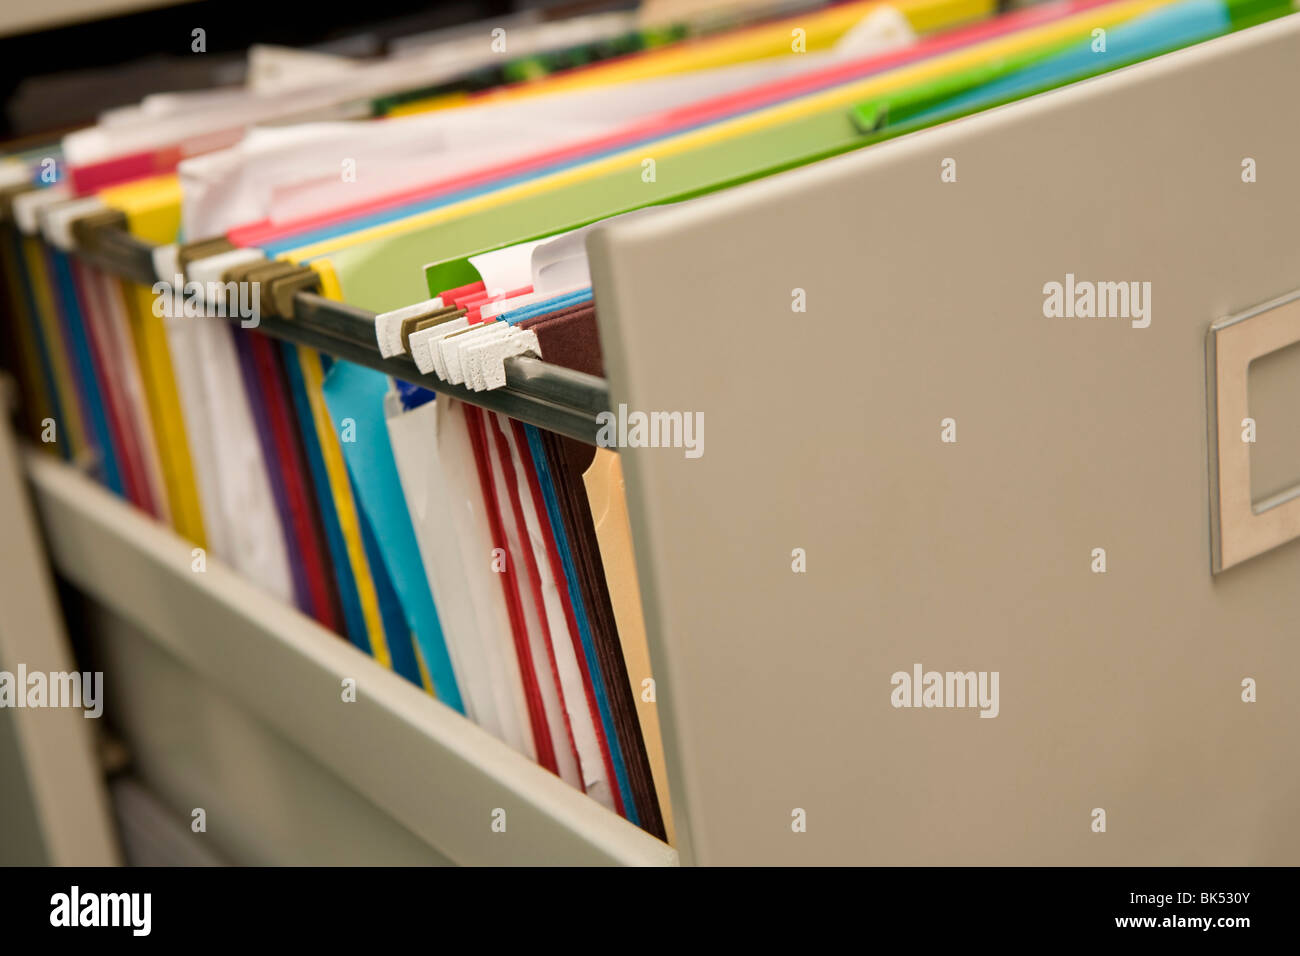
537,393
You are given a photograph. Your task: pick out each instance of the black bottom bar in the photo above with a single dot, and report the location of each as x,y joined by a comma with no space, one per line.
978,907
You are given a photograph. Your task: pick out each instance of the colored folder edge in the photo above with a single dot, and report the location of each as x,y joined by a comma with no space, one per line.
1016,78
421,242
278,237
404,571
152,209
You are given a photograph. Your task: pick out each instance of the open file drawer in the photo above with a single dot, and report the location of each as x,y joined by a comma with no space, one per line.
1120,691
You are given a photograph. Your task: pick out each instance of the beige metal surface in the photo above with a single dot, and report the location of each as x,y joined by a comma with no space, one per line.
26,17
233,702
52,794
1119,691
264,801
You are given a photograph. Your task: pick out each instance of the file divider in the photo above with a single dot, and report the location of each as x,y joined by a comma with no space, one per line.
536,393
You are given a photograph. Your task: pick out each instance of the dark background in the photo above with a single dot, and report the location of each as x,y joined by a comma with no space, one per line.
63,77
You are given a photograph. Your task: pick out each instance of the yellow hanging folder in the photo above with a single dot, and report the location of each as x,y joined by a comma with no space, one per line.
340,485
152,209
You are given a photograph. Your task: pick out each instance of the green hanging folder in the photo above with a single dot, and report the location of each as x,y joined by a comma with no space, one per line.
1018,77
378,274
